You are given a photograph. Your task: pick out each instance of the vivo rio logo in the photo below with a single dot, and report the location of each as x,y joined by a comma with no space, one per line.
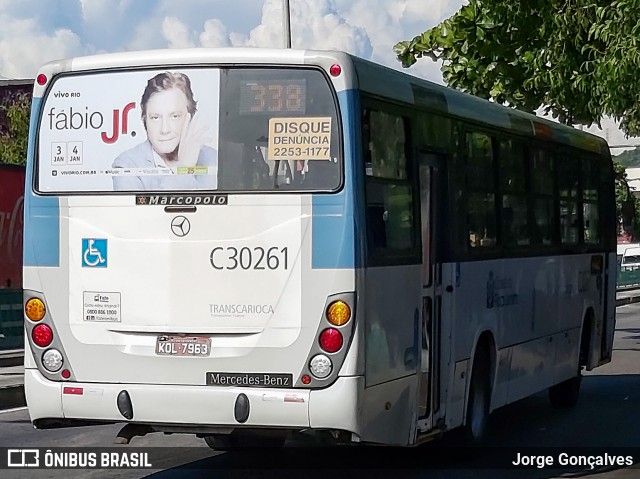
83,120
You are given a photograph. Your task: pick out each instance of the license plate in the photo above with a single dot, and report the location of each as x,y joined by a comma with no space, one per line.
183,346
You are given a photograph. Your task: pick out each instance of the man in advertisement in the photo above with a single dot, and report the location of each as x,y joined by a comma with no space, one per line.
175,153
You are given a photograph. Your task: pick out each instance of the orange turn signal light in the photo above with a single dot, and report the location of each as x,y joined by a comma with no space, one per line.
338,313
34,309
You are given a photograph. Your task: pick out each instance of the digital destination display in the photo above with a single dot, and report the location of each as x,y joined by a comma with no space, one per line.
273,96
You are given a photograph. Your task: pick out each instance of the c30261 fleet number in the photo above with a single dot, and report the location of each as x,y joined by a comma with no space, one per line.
256,258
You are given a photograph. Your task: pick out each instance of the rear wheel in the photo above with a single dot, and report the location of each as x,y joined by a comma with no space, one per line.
479,398
245,440
565,395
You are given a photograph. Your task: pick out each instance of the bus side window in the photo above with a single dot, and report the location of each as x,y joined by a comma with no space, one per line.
542,186
568,173
590,196
389,197
480,187
515,211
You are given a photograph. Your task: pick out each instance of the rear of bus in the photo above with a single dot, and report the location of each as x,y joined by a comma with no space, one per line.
200,297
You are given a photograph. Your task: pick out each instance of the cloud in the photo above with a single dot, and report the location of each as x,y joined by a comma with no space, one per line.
315,24
389,21
176,33
33,32
24,48
214,34
112,24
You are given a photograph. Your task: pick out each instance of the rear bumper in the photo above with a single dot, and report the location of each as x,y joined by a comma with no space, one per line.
200,406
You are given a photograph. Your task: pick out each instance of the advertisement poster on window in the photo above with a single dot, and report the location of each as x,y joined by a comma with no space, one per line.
130,131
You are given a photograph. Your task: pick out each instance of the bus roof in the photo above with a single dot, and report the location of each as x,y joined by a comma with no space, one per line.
371,78
383,81
205,56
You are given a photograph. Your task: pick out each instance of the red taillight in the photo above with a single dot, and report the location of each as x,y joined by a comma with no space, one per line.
41,79
306,379
335,70
42,335
66,374
331,340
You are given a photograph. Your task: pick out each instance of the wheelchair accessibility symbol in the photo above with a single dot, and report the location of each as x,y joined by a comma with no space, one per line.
94,253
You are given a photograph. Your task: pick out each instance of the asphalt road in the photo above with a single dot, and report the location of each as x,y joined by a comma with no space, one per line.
606,418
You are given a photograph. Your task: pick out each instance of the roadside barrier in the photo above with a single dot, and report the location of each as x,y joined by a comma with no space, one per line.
628,277
11,322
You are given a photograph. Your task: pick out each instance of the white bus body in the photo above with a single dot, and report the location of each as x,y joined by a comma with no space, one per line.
211,326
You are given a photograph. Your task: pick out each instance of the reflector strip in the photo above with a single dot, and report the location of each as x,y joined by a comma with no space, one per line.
77,391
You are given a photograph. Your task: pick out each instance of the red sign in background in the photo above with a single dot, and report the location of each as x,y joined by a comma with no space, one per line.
11,206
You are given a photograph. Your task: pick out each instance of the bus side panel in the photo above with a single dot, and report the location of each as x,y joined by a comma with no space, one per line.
335,407
532,367
392,302
567,350
537,306
388,411
43,397
610,314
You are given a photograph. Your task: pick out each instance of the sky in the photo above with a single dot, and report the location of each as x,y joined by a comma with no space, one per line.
34,32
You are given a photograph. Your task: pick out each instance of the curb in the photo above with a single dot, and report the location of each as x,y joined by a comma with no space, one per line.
10,360
629,300
12,397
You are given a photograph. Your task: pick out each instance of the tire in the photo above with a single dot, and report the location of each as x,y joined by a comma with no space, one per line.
220,442
477,423
245,440
565,395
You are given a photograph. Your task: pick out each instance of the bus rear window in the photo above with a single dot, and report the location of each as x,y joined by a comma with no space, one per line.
191,129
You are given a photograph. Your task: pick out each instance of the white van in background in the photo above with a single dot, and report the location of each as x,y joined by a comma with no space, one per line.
629,254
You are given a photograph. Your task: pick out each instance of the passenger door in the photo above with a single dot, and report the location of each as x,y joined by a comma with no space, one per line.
430,175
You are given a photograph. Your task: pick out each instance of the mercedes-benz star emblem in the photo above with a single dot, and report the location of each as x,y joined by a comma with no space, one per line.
180,226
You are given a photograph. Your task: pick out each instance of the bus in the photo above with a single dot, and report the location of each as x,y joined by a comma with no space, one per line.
255,245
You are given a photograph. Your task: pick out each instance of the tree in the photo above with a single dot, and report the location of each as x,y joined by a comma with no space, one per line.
629,158
579,59
627,204
14,137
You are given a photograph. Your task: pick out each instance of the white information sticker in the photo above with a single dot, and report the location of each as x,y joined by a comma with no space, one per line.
300,138
101,307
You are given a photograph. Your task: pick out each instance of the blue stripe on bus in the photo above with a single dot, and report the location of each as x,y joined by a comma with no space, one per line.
334,228
41,213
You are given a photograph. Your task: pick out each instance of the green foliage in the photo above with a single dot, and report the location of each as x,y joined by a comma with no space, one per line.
624,194
629,158
13,142
579,60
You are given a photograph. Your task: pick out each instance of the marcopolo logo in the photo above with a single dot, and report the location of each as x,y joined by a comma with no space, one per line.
181,200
